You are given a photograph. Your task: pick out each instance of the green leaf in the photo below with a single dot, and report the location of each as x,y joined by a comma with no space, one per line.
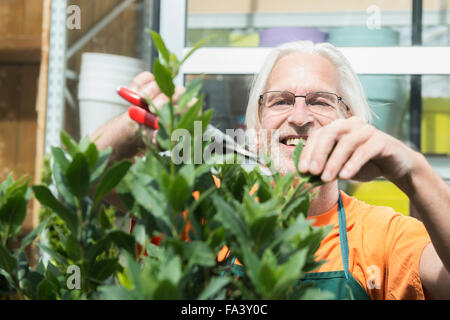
52,253
133,271
53,275
4,186
12,215
173,62
262,230
101,164
139,234
196,46
192,90
171,271
198,253
163,78
69,143
98,248
60,158
78,176
110,180
178,193
84,144
46,291
187,119
292,271
226,215
103,269
116,293
103,218
123,241
59,177
92,155
7,261
160,46
163,138
213,288
29,238
73,248
46,198
297,152
166,290
148,197
205,118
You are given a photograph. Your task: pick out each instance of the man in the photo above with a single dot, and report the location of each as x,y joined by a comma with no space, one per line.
310,92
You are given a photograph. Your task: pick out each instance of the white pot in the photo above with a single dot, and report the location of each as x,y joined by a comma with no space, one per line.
100,76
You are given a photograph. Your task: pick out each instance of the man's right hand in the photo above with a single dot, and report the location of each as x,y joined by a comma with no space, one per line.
145,85
122,133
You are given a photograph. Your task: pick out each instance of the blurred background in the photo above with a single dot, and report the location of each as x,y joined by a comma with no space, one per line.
61,61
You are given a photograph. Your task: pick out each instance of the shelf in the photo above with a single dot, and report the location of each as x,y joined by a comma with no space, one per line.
306,19
365,60
20,49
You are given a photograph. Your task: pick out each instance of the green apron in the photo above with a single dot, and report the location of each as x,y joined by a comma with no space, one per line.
341,283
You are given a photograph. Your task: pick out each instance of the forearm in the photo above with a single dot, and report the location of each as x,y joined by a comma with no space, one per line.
121,134
430,196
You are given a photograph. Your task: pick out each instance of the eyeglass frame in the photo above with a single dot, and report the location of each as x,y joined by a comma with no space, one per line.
340,99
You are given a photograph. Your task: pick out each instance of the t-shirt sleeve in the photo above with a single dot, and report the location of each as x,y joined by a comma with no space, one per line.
406,239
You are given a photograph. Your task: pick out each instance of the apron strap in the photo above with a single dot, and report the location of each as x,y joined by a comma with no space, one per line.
343,235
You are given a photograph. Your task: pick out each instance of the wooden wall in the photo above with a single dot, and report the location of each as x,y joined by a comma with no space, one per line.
20,30
18,86
20,51
20,37
20,54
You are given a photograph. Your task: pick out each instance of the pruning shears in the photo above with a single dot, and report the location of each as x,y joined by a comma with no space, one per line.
140,112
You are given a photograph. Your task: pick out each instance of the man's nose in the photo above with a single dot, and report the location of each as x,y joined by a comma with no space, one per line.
299,114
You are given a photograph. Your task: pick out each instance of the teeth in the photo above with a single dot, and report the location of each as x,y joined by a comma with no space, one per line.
294,141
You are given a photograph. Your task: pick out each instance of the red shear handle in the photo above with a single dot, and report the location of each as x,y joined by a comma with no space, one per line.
132,97
143,117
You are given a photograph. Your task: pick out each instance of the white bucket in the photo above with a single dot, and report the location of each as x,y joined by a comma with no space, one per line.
100,76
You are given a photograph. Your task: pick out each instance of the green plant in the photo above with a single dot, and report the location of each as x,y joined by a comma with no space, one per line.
260,218
82,180
55,225
88,237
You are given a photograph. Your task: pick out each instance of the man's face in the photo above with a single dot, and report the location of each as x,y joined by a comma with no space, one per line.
300,74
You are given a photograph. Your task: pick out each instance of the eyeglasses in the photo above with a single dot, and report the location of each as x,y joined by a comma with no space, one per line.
317,102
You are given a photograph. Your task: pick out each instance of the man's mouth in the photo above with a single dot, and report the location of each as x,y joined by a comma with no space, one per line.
292,141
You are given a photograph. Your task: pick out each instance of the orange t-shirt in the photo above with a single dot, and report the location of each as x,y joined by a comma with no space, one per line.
384,248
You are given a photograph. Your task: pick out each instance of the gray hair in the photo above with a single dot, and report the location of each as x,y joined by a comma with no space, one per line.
350,87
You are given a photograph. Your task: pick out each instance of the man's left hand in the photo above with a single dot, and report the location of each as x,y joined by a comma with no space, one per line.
358,151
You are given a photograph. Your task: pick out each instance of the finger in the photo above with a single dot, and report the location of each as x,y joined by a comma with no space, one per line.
160,100
342,152
179,90
359,158
323,146
305,156
141,79
150,90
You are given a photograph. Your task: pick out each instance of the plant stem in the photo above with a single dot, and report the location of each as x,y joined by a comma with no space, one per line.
171,128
